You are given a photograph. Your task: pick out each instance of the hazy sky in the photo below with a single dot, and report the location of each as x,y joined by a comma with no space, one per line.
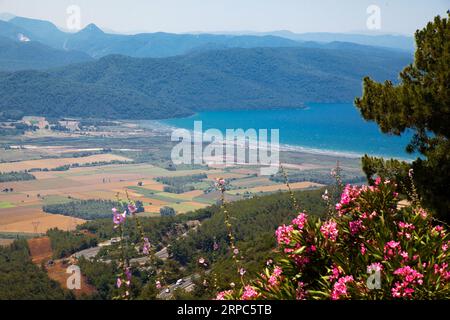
397,16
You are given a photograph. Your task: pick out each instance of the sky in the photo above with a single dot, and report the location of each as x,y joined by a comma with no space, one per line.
180,16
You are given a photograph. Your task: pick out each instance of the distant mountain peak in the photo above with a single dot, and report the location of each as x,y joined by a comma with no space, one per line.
92,29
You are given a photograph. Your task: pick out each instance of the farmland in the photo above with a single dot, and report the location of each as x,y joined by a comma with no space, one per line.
120,161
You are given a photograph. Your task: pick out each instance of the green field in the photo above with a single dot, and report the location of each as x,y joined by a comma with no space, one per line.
6,205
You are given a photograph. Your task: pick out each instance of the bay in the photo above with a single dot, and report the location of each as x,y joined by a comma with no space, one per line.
332,128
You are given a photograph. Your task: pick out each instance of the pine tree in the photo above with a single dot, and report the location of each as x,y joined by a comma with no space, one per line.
419,103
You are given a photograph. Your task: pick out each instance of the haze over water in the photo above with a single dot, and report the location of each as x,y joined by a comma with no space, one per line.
336,128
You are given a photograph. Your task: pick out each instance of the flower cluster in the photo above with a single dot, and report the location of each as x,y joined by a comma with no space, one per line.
340,288
329,230
118,218
410,279
125,280
338,257
249,293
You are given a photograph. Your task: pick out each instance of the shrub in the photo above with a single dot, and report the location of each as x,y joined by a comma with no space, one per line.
369,248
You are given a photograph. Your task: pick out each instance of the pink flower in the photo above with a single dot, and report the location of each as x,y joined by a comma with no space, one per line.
340,288
349,194
335,273
391,249
422,213
329,230
376,266
118,218
220,184
221,295
405,229
355,226
377,181
363,249
249,293
300,220
301,261
242,271
132,208
300,292
273,279
118,282
283,234
158,285
442,270
277,271
236,251
404,255
146,246
410,279
439,230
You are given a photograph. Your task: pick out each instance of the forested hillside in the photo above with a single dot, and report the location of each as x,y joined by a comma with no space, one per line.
23,280
17,55
124,87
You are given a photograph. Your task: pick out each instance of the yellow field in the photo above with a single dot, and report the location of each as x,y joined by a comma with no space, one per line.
25,219
282,187
21,210
53,163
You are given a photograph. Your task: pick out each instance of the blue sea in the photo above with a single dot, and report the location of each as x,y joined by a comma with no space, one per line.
336,128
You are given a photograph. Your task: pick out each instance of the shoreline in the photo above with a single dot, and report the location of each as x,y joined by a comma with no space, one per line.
167,129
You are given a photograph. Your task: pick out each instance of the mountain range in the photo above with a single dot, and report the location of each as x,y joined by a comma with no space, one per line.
90,73
117,86
97,43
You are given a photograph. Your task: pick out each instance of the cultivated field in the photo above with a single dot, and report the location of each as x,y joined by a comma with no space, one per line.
21,206
53,163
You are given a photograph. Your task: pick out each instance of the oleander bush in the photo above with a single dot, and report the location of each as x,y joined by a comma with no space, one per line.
369,247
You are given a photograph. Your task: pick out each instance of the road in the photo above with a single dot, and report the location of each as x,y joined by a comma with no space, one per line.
87,253
186,285
90,253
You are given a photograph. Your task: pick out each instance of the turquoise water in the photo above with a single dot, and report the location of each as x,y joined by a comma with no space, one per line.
324,128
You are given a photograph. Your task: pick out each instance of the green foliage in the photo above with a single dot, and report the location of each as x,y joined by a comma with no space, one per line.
101,276
22,280
16,176
157,229
16,55
87,209
316,176
179,86
65,243
254,222
421,103
368,249
181,184
167,212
